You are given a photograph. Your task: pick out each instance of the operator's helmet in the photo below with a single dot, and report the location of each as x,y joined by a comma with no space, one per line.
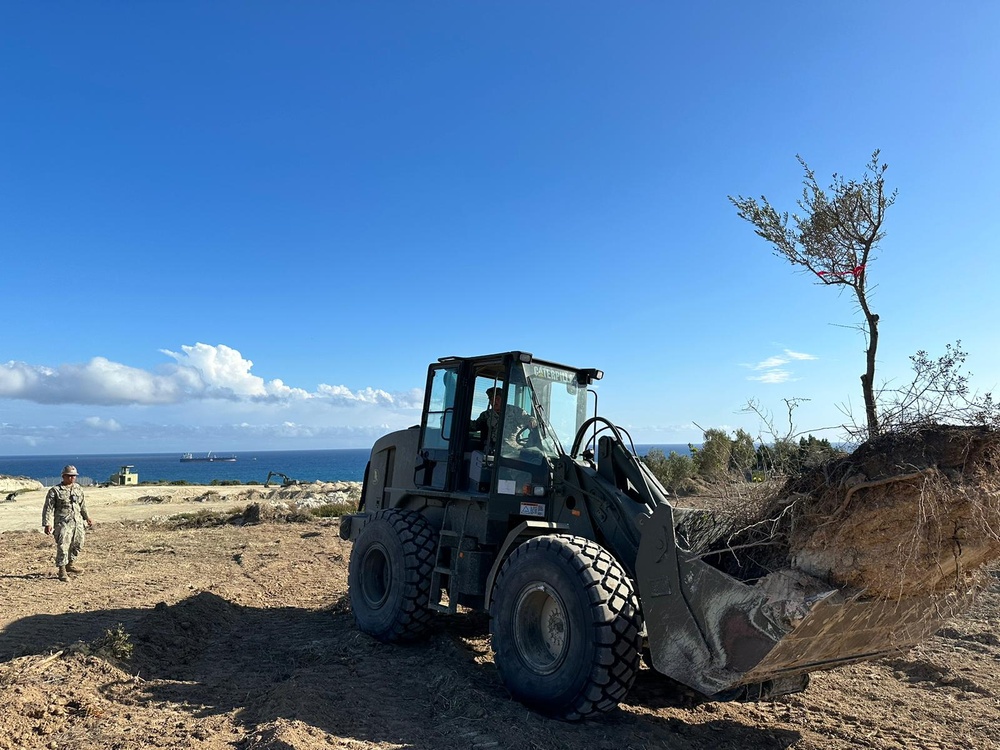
69,471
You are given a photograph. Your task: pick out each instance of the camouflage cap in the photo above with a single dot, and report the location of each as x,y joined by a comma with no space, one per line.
69,471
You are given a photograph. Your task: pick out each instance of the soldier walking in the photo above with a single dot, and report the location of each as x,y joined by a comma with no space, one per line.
65,505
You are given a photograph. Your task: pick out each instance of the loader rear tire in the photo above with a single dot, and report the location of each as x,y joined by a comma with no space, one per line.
566,627
389,578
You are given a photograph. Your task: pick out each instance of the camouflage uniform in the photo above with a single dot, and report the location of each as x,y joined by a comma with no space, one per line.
488,424
67,506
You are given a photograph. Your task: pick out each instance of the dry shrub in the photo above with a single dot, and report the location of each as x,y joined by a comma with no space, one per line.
201,519
906,514
249,515
266,513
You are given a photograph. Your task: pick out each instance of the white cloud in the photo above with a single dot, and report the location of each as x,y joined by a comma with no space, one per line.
200,395
342,395
220,371
773,376
98,381
106,425
773,367
277,389
198,372
769,363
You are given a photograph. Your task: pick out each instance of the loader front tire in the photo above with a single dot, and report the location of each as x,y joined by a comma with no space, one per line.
389,578
566,627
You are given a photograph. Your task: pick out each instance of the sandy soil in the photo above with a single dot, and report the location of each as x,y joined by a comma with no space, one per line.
150,502
119,503
242,638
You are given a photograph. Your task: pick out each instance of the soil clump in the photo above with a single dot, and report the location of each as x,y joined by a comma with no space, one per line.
907,514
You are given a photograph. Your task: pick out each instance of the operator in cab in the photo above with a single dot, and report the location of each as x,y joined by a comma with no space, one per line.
514,418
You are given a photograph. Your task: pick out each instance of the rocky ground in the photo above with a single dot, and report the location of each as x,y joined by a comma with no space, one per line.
241,637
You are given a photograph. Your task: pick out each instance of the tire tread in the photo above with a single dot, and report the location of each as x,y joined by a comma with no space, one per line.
418,539
614,616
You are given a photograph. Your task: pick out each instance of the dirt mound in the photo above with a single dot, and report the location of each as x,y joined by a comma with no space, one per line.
282,734
19,484
267,513
153,499
49,702
170,638
904,515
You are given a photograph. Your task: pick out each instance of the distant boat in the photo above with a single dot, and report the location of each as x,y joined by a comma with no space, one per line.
189,457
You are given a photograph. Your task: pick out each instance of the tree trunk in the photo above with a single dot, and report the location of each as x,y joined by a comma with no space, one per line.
868,379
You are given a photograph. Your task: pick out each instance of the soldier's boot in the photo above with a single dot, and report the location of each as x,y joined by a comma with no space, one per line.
73,568
62,573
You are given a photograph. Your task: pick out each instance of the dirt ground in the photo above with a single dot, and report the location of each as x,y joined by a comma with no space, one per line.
242,637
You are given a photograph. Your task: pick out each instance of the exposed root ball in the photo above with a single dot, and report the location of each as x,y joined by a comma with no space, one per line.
906,514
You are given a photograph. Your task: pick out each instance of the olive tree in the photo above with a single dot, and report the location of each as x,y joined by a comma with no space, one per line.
673,471
834,239
712,459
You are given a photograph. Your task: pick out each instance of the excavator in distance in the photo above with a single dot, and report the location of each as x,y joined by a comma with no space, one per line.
286,481
511,497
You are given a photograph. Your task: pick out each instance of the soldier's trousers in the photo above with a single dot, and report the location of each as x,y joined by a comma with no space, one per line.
69,542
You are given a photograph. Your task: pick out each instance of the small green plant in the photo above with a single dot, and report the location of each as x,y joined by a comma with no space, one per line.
115,643
331,510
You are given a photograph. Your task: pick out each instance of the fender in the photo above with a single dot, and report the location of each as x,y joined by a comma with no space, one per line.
522,532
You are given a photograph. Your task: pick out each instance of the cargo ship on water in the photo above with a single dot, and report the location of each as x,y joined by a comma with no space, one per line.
190,457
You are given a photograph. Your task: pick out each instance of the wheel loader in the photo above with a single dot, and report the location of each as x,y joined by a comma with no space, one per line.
514,497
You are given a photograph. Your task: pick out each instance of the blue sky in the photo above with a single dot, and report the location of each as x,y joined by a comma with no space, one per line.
250,225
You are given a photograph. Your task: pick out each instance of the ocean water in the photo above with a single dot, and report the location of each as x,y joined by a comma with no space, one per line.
252,466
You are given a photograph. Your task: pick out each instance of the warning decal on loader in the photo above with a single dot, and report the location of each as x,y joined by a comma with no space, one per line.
533,509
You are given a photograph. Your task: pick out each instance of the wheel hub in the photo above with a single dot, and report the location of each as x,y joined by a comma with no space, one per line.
376,577
541,629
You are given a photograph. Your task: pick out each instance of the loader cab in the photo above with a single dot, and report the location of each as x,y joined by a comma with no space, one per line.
495,425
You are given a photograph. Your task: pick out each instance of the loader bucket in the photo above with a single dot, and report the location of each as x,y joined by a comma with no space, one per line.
717,634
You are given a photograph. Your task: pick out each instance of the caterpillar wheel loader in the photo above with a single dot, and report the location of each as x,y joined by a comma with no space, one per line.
510,497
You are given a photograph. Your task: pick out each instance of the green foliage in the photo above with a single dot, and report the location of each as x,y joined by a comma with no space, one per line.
725,458
812,452
225,482
788,457
673,471
116,643
712,459
331,510
743,456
